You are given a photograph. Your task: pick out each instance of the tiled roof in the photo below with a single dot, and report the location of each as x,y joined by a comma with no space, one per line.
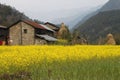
46,37
51,24
36,25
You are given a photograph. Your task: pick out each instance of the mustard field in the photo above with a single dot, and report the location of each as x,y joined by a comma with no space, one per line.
62,62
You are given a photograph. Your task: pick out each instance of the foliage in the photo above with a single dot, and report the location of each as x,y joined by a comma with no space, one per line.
9,15
39,22
62,62
117,39
100,25
62,42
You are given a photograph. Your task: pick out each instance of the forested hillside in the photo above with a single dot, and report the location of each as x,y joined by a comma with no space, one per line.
100,25
9,15
106,21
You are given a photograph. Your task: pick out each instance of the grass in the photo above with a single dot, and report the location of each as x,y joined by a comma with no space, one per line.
94,69
62,62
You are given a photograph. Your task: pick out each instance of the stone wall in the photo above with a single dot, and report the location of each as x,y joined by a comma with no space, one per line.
29,37
52,27
39,41
19,37
15,34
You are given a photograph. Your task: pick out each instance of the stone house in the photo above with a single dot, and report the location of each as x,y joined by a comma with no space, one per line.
25,32
53,27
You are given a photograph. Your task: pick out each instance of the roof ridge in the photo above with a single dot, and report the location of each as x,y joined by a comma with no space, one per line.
34,24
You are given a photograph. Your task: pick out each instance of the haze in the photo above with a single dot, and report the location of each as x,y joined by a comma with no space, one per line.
48,10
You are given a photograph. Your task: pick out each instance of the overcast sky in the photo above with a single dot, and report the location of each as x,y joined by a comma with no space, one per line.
35,8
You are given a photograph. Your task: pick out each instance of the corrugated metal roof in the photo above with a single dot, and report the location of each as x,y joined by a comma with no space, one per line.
51,24
46,37
47,28
3,26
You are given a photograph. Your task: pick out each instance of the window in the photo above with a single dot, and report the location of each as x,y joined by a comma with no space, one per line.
25,31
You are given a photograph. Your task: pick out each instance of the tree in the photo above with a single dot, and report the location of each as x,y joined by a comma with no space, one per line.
37,21
9,15
117,38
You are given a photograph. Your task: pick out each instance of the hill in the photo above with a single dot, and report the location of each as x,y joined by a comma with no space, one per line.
106,21
9,15
100,25
72,16
111,5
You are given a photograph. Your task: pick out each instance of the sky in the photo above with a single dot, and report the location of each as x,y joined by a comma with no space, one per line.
48,9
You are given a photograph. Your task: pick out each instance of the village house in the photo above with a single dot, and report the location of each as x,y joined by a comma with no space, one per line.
53,27
25,32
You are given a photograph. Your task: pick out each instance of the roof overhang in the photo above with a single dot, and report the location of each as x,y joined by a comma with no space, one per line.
46,37
3,27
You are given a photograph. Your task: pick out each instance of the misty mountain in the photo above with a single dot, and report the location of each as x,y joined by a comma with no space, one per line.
107,20
84,19
111,5
73,16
